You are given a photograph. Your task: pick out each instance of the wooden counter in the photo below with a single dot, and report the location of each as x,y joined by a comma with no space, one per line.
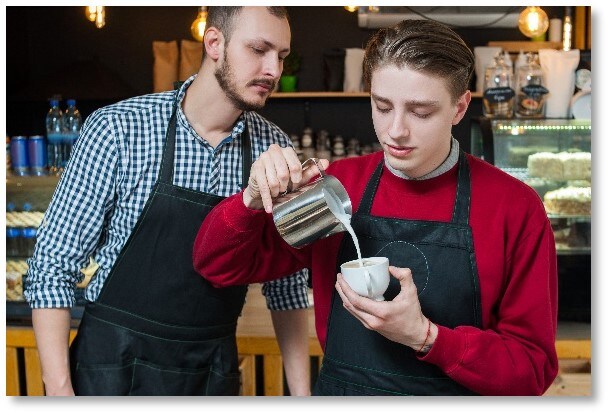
256,342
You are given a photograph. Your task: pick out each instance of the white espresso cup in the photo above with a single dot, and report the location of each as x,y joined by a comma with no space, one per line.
370,281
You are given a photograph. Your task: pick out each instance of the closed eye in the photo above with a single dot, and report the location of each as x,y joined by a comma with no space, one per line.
383,110
423,116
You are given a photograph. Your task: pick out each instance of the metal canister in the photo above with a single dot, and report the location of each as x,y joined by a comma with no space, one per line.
37,155
306,214
19,155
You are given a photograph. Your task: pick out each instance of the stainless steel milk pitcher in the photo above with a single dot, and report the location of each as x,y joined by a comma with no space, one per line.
306,214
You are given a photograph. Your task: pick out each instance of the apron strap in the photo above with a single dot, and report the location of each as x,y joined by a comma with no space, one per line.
461,208
166,174
370,190
246,154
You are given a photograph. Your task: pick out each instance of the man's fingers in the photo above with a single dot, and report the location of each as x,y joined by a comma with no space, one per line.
295,171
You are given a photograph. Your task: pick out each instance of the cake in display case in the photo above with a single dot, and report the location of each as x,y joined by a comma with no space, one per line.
553,156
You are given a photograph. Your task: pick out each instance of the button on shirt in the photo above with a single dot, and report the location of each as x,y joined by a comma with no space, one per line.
112,170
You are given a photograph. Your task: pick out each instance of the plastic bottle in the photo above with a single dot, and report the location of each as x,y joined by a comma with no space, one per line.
72,125
54,125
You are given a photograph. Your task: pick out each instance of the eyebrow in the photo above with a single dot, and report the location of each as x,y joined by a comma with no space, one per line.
269,44
413,103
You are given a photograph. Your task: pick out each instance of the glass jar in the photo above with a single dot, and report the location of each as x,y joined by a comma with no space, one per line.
531,91
498,91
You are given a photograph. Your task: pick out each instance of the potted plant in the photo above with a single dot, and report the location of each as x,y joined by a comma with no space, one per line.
288,80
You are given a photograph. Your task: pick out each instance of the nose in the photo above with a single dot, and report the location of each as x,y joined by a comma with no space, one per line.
272,65
398,127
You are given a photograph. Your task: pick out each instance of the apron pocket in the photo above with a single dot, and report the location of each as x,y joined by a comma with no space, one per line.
325,388
103,380
153,379
227,384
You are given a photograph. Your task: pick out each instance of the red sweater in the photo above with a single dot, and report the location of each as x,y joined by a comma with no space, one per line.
513,354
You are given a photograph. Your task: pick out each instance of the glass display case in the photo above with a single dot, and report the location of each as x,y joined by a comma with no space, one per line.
27,198
553,156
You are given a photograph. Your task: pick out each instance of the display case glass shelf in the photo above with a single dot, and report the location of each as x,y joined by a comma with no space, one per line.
553,156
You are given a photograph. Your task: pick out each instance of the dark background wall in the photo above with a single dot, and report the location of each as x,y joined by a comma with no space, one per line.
71,57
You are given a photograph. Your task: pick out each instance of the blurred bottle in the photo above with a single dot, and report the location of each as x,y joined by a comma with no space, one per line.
338,148
54,125
307,144
72,125
323,145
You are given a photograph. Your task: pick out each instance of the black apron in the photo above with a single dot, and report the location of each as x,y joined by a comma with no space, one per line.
158,327
359,361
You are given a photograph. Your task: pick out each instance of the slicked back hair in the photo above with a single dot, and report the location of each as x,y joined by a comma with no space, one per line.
424,46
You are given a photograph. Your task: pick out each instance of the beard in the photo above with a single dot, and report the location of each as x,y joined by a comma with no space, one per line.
226,79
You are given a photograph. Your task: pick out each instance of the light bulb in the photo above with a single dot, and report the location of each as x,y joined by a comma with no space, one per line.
350,8
100,17
198,26
90,12
533,21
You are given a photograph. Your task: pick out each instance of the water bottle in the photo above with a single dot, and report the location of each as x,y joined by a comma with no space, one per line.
54,124
72,125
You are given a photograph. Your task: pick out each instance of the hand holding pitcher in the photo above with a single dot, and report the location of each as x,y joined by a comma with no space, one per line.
276,171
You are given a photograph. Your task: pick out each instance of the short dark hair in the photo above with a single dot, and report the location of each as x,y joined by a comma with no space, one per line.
422,45
223,17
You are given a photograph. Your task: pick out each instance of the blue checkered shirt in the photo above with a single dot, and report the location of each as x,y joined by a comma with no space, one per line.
109,177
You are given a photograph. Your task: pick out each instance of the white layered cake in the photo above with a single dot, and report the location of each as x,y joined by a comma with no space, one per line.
546,165
576,166
569,201
560,166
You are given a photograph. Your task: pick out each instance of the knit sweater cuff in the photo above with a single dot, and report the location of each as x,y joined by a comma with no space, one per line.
239,217
448,349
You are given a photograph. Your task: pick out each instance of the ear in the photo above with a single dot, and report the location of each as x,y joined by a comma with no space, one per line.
461,107
213,42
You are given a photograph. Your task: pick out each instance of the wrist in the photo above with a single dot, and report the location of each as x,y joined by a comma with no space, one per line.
429,335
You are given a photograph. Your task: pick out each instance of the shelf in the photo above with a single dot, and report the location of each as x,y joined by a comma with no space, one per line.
28,182
525,46
313,94
323,94
572,251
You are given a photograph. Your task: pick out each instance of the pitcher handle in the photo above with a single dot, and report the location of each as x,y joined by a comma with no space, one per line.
315,160
320,169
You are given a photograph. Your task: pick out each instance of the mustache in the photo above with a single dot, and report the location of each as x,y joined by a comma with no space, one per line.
263,81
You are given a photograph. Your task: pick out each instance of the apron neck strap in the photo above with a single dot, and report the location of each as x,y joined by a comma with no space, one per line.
246,154
166,174
461,208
